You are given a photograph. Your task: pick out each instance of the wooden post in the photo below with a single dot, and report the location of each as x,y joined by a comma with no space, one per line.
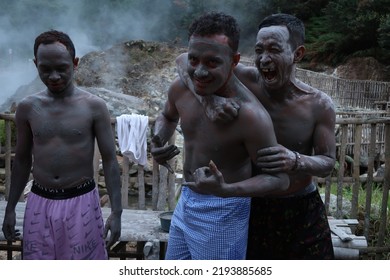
369,183
141,188
155,187
356,171
126,165
328,184
344,135
162,189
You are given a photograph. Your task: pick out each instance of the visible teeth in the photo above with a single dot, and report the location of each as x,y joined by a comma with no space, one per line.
266,70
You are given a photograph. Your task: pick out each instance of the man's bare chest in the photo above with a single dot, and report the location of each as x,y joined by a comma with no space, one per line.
67,125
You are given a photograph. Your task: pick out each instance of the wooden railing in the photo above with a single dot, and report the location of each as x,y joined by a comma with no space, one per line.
354,180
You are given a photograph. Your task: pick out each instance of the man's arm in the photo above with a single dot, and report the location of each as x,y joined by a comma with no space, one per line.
324,144
21,169
320,163
106,144
164,128
259,134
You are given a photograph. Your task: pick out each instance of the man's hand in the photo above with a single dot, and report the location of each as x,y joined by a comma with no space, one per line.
276,159
113,224
208,180
220,109
162,154
9,223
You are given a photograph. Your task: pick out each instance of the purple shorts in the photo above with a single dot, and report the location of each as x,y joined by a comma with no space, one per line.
64,224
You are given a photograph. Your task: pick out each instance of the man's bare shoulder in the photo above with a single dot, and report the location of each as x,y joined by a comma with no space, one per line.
317,96
323,100
86,94
32,99
83,95
177,87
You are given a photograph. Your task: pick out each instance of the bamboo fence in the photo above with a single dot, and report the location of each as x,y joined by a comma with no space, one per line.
355,94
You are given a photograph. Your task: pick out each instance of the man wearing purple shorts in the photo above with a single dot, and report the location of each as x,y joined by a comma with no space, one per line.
56,133
64,225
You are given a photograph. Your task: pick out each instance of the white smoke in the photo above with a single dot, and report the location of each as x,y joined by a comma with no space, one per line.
92,24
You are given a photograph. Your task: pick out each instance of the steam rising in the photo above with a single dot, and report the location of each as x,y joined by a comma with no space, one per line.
92,25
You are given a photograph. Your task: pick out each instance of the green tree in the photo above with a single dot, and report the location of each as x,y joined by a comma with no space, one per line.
346,28
384,37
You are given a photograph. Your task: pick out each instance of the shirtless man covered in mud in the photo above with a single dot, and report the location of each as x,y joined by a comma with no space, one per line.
218,155
56,132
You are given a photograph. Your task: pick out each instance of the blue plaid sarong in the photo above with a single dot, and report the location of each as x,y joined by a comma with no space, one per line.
208,227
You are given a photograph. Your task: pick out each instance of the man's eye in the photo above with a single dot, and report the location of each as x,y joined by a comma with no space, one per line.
258,50
212,63
192,60
43,69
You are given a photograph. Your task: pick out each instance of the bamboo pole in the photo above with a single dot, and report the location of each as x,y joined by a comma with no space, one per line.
344,134
141,187
356,171
155,185
369,183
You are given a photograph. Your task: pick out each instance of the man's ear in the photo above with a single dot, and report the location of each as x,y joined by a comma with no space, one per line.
236,58
299,53
75,62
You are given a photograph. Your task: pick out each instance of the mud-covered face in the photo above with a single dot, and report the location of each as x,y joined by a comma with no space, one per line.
210,63
274,56
55,66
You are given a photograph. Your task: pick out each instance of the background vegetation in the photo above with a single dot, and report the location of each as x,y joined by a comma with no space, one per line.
335,29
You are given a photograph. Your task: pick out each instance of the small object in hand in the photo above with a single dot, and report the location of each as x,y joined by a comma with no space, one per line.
114,245
168,166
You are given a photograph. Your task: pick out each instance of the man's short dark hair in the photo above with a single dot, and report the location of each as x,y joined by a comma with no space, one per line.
217,23
294,25
53,36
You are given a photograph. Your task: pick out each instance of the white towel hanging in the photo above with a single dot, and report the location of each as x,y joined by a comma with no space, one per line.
132,137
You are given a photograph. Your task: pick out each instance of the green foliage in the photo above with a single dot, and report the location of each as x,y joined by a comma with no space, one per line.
3,136
348,28
384,37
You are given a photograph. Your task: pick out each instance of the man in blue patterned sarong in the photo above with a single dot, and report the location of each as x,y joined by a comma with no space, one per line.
220,153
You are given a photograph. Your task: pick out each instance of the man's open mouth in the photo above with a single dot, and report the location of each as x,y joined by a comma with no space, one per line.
268,74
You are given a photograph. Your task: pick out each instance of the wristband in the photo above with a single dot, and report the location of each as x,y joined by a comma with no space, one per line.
297,158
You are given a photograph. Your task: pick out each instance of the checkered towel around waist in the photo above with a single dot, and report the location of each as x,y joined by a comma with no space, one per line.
208,227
